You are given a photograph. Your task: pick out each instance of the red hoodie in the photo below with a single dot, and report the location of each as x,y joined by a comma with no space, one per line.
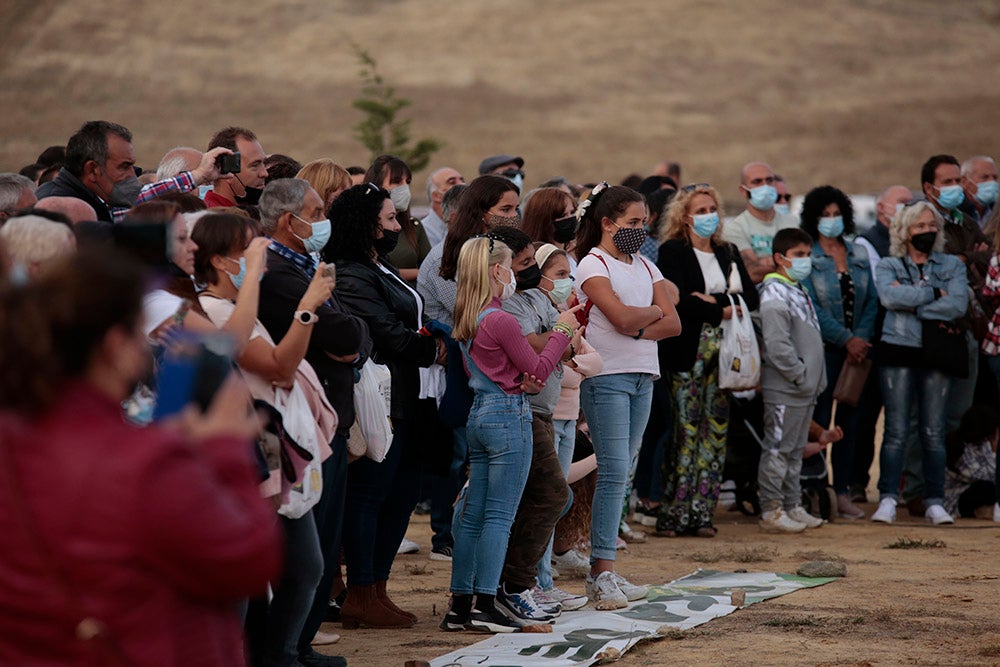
159,538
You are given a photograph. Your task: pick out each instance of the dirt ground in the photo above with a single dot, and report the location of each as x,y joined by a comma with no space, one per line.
932,604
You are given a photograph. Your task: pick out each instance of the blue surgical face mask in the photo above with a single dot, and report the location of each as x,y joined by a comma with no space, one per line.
518,180
763,197
18,274
899,207
950,196
203,190
238,278
320,234
783,209
800,269
561,289
986,192
705,224
831,227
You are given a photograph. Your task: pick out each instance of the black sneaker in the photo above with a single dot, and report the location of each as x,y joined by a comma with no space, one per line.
442,554
453,622
491,621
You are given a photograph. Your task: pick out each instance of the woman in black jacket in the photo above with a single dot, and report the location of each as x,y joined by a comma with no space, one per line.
705,269
380,496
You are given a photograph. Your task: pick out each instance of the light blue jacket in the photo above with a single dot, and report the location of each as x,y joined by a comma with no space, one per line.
912,299
823,286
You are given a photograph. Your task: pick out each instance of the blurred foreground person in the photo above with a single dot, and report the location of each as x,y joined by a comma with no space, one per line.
149,569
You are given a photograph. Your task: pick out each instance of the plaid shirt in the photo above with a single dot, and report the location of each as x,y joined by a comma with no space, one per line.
305,262
991,294
182,182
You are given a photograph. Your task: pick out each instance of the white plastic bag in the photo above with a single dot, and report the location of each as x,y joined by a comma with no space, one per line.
739,356
299,423
372,403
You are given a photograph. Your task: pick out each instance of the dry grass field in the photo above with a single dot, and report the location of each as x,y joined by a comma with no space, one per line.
852,92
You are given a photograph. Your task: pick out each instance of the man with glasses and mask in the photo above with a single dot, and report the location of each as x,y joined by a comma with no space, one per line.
99,169
508,166
753,230
244,187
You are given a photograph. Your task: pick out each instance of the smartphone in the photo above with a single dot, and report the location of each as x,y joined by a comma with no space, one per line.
229,164
191,371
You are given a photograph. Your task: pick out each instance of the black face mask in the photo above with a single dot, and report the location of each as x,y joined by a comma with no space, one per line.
251,198
387,243
529,278
924,242
564,229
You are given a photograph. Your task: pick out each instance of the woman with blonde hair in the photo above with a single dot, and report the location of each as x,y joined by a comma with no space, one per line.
917,283
327,178
706,270
498,357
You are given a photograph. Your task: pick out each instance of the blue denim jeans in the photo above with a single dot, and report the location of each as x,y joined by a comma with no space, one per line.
565,431
294,592
617,408
928,390
500,447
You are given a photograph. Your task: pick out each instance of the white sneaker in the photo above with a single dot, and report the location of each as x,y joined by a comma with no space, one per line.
603,591
886,512
800,514
727,495
567,601
632,591
407,547
996,512
571,563
776,521
937,515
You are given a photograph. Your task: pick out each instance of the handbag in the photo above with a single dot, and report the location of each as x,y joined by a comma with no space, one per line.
943,347
372,404
851,382
739,354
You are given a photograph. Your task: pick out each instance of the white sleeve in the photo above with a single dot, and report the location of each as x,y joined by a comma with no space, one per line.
157,307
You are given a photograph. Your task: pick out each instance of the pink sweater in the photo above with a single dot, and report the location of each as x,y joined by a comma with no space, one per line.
503,354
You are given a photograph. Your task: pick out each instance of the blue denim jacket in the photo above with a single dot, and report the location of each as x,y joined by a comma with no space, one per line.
823,286
908,303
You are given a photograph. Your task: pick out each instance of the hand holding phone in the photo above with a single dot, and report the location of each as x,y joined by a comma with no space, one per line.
192,370
230,163
319,288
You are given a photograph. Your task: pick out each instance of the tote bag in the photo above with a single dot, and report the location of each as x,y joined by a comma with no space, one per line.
299,423
739,355
372,404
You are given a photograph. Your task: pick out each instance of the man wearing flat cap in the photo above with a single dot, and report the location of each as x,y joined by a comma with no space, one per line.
508,166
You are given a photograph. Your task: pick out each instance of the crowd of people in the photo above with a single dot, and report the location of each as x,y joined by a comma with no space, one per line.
230,381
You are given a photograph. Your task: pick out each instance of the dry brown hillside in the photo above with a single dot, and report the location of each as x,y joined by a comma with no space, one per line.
853,92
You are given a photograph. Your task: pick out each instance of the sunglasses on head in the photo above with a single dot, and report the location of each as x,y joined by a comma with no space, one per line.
695,186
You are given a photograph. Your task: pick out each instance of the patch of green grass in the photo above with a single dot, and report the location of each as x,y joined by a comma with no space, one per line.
915,543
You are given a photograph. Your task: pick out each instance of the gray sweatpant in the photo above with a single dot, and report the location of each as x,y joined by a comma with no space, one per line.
786,430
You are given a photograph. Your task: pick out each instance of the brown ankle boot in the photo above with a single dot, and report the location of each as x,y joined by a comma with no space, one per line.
383,597
362,607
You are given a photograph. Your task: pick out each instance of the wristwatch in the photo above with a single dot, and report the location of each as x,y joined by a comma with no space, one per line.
306,317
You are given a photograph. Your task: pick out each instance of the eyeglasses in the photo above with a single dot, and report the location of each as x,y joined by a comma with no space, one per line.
914,202
695,186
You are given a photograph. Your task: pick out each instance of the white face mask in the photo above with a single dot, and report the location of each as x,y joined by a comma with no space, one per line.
508,288
400,196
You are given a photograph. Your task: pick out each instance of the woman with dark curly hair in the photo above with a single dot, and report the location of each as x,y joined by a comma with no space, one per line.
394,176
380,496
846,303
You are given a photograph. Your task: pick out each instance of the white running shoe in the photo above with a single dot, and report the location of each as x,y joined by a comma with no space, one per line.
776,521
566,601
603,591
522,608
407,547
937,515
632,592
800,514
886,512
571,563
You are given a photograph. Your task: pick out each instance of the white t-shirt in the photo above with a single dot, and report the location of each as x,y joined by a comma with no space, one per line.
633,284
158,306
715,282
750,233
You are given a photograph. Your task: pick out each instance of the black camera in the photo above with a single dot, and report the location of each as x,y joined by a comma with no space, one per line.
229,164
